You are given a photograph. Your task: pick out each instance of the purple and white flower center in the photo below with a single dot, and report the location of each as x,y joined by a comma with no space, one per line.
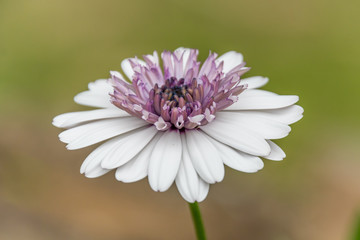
181,104
183,97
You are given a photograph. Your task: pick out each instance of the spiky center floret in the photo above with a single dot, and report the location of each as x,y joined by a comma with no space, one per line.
175,102
182,97
173,92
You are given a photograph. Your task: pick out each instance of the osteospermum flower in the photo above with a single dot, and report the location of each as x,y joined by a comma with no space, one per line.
180,122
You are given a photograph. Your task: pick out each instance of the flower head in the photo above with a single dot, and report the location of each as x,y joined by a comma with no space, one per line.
181,122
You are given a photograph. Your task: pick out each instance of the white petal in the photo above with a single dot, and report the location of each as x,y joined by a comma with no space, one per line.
137,168
92,164
191,187
98,171
276,154
91,99
265,127
254,82
263,102
204,157
238,137
257,93
231,59
73,118
128,70
128,147
97,96
287,115
165,161
203,190
94,132
100,86
238,160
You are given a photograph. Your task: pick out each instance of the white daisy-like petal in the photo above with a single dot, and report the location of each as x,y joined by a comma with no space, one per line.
128,147
137,168
190,185
101,86
97,171
265,127
238,137
165,161
263,102
91,133
204,156
97,95
287,115
231,59
91,167
93,99
256,93
203,190
276,154
238,160
67,120
254,82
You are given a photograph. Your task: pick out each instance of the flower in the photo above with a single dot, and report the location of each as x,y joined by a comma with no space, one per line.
182,123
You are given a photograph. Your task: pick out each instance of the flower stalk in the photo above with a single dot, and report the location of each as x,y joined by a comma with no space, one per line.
198,223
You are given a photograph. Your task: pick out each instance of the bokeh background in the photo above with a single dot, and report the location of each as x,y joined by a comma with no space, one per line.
50,50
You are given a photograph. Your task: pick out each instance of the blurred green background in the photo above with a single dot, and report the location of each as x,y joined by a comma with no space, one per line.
50,50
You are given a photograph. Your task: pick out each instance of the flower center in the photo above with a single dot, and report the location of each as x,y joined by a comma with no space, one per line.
175,94
181,96
177,102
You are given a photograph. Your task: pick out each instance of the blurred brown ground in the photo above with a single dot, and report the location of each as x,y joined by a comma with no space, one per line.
50,50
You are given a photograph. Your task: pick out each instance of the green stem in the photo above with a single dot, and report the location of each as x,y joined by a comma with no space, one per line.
196,216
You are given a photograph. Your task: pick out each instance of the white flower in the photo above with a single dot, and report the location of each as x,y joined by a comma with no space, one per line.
179,124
